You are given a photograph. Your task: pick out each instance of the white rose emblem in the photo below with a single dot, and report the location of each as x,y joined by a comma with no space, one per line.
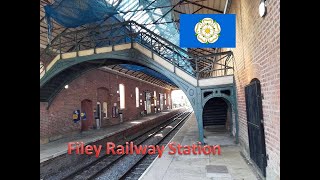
207,30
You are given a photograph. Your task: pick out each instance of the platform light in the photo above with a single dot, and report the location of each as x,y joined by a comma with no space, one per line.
66,86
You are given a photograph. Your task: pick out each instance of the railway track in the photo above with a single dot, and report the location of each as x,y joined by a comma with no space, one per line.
141,166
131,166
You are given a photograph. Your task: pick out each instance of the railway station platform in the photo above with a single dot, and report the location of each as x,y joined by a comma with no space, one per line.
112,133
230,165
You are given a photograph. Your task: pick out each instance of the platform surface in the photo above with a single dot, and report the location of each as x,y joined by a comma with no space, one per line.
230,165
58,147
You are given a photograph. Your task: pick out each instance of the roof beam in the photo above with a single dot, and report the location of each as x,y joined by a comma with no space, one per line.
161,22
206,7
197,10
159,7
179,11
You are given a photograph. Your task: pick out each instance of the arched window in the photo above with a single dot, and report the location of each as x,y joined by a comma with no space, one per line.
122,96
137,97
105,109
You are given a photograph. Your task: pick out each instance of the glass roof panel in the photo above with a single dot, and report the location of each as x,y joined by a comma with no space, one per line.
148,11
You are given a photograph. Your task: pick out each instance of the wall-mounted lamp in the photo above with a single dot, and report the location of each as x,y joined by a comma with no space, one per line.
262,8
66,86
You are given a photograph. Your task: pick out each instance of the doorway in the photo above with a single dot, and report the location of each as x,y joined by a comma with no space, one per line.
215,114
103,99
255,125
148,102
217,120
86,107
98,116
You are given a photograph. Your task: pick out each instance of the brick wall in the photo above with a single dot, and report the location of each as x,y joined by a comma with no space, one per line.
257,55
57,120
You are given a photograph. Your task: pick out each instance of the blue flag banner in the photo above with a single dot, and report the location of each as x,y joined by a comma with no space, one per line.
207,30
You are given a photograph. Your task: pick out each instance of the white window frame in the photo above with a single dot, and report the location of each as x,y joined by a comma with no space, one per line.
122,94
155,98
137,97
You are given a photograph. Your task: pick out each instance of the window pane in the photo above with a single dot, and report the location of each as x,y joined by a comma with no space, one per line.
122,96
137,97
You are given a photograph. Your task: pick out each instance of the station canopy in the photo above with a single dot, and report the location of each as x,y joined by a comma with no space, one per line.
159,16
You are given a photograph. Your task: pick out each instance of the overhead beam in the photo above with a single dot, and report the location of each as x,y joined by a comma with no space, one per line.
179,11
206,7
197,10
161,22
159,7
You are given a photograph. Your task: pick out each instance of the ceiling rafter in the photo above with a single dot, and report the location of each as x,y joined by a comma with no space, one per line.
142,76
210,8
159,7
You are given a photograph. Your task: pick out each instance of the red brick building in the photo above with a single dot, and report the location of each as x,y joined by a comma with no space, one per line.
85,92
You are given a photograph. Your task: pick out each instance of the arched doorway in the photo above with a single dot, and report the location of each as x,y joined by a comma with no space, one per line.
98,116
255,124
216,114
86,107
103,97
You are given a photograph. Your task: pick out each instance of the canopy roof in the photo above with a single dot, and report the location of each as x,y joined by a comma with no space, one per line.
160,16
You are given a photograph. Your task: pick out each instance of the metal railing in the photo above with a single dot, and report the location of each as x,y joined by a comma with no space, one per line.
211,65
